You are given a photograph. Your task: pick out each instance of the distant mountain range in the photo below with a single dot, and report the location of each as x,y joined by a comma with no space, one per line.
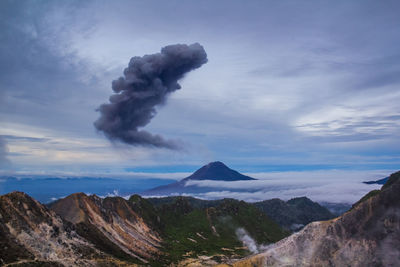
82,230
47,189
295,213
215,171
291,215
380,181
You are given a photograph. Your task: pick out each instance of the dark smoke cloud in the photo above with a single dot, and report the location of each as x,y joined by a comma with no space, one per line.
146,84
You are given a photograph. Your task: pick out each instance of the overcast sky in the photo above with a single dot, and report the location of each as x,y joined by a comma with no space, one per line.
289,85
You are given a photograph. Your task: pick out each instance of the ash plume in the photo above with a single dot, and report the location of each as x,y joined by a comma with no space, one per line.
146,84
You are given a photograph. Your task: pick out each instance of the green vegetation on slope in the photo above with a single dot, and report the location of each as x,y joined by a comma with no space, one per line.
145,209
194,202
192,227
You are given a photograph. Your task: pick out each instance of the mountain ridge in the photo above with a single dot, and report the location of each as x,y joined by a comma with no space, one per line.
291,215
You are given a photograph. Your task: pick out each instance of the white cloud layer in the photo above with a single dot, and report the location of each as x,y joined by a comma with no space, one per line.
321,186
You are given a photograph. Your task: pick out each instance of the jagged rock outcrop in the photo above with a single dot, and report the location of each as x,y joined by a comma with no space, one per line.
30,233
367,235
111,224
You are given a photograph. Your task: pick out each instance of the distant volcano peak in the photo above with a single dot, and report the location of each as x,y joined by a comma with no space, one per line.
216,164
217,171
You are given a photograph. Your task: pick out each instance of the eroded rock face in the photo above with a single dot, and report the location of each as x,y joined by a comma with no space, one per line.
367,235
111,224
29,231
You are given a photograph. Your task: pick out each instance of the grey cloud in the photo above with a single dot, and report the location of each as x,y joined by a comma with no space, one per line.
381,79
146,84
355,129
363,74
41,76
4,161
356,137
24,138
370,73
27,59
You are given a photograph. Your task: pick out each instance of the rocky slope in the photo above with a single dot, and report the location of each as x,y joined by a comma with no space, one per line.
367,235
30,233
112,225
